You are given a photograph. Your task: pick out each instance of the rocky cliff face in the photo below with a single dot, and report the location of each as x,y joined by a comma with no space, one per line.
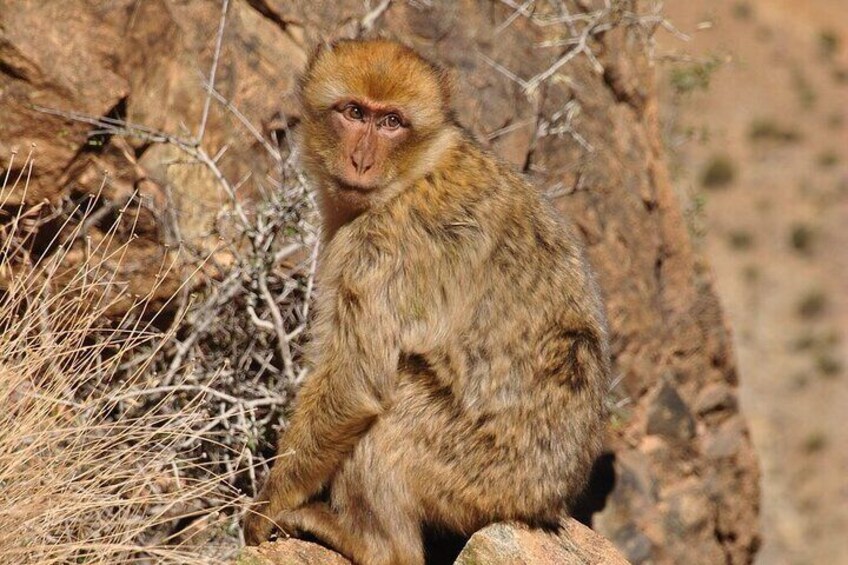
679,480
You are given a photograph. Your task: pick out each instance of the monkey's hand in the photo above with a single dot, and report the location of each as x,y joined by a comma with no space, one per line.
257,525
273,500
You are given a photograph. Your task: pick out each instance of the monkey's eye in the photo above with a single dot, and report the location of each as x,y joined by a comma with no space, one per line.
392,121
353,112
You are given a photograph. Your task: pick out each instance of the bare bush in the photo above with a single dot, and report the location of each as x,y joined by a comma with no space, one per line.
234,348
82,478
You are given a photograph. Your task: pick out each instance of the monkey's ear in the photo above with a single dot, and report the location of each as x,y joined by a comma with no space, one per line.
322,47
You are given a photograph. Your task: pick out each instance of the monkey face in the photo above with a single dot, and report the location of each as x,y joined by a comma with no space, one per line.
374,117
369,134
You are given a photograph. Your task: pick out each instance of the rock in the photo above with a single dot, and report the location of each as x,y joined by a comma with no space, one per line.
689,505
514,544
635,545
668,415
290,552
66,66
498,544
717,397
726,440
635,494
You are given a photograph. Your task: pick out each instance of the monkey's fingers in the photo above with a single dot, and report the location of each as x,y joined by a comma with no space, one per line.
257,526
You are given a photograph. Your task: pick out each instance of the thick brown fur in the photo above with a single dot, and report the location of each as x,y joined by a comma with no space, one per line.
460,346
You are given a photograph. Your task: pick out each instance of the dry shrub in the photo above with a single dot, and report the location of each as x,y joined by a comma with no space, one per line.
80,479
140,437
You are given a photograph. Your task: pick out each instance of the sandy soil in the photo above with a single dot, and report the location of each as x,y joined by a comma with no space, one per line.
761,156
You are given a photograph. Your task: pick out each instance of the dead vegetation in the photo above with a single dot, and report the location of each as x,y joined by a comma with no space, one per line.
138,437
133,439
83,479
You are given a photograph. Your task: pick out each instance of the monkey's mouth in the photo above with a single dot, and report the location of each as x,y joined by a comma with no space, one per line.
345,185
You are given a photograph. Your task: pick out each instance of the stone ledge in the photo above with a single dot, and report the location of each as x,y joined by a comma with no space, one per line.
498,544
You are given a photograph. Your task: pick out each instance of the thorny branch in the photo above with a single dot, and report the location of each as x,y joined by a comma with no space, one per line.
236,345
561,123
219,39
368,20
593,23
575,29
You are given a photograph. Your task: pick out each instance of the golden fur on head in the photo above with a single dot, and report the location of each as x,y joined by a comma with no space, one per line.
377,70
378,74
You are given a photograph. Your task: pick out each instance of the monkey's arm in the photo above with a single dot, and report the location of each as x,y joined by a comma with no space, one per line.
335,407
356,344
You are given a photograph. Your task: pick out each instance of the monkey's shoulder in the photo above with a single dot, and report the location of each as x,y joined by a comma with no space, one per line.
467,209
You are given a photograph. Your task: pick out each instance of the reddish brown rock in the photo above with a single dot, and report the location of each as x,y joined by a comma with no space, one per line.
290,552
513,544
498,544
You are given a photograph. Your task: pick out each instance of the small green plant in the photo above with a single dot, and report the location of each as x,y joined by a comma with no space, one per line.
740,240
829,42
751,274
696,216
807,97
815,442
694,76
836,121
827,159
817,342
812,305
719,172
805,342
799,380
766,129
764,33
802,238
742,10
828,365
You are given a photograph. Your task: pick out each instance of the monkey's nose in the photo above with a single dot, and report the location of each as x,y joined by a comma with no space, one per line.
362,165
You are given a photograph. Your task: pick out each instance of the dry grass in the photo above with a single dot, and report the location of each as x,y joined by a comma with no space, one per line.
140,439
80,481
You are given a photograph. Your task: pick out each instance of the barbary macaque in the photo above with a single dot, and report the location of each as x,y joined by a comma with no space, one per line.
460,353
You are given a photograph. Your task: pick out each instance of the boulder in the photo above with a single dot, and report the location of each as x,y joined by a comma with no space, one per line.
290,551
512,544
498,544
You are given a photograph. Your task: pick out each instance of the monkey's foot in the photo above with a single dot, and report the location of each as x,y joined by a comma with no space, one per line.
315,519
